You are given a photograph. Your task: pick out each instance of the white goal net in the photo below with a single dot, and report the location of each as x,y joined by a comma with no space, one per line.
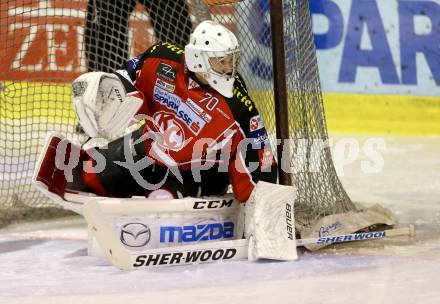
46,44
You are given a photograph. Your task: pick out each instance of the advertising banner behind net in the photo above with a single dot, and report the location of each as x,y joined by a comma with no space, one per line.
372,46
45,39
379,61
364,46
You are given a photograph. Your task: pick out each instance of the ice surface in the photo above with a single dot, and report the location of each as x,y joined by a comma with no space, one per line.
48,262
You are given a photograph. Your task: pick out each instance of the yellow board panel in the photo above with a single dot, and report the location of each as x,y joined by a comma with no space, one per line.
382,114
46,102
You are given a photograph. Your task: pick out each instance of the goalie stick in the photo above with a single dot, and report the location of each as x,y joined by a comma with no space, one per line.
126,259
363,236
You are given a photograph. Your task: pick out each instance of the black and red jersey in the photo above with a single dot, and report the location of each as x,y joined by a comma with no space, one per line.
193,125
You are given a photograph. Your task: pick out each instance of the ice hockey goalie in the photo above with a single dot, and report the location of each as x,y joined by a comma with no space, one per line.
200,132
201,129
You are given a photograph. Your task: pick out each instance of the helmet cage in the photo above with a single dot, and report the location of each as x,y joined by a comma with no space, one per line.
217,59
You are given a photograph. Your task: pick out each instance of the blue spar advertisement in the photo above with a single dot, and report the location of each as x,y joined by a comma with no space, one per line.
372,46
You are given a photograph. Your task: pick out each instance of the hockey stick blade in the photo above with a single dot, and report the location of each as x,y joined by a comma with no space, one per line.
364,236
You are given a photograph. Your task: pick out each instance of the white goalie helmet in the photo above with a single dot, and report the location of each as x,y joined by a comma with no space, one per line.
213,50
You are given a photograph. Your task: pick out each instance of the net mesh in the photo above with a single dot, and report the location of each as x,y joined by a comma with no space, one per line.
46,44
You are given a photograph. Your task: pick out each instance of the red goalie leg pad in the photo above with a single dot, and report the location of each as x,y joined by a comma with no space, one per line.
91,179
48,173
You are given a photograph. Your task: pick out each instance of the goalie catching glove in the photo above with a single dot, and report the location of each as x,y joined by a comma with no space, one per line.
102,106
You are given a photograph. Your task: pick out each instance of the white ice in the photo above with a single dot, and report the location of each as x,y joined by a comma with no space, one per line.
46,262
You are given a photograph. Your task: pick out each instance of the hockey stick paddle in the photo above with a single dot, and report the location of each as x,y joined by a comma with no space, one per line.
363,236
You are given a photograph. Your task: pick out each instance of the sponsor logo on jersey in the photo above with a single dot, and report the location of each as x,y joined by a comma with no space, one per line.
185,257
192,84
198,110
173,48
194,122
165,85
266,158
195,128
135,234
173,136
206,117
196,233
195,107
183,112
243,98
133,63
166,71
223,113
260,137
256,123
171,101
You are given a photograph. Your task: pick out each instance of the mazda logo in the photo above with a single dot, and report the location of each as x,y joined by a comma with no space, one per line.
135,234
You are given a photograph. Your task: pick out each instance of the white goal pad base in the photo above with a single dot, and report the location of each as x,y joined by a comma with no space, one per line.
143,224
138,232
208,233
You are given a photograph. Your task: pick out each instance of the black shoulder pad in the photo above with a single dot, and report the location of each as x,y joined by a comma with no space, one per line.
165,50
242,106
239,82
246,114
